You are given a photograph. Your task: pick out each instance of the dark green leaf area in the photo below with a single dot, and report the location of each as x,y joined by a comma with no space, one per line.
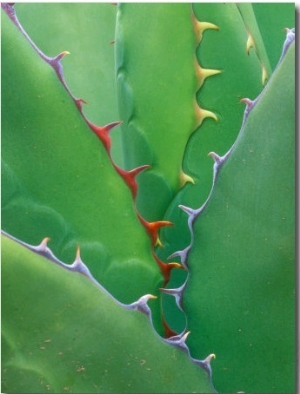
240,298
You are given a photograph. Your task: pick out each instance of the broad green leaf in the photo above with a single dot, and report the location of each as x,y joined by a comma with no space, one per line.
240,298
58,181
87,31
61,333
222,48
228,73
156,74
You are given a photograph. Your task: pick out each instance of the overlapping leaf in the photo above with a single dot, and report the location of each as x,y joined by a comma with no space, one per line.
58,181
61,333
240,297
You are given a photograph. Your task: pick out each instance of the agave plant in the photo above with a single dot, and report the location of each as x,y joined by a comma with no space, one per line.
150,231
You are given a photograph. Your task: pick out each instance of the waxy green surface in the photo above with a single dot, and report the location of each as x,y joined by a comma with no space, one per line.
58,181
224,50
240,298
81,340
155,60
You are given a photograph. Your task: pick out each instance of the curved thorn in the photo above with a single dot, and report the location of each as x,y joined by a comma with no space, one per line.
153,229
43,246
166,268
79,266
176,293
129,177
188,210
179,341
79,103
142,305
200,27
183,255
60,56
102,132
215,156
184,178
203,73
202,114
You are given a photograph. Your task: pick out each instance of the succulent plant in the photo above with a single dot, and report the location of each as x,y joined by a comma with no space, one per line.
132,252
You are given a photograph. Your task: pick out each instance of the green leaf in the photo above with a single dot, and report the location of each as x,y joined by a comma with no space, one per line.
87,31
227,73
61,333
272,19
155,57
254,38
89,69
58,181
240,297
222,49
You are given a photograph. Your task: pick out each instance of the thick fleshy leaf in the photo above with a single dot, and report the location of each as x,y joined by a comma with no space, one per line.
156,74
61,333
240,298
58,181
87,31
227,73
